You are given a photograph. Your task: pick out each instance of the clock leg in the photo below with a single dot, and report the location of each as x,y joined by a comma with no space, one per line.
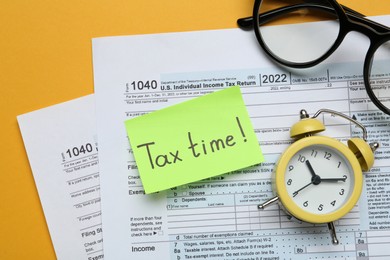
332,232
268,202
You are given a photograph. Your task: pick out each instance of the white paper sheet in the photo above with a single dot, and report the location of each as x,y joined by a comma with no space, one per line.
61,145
218,218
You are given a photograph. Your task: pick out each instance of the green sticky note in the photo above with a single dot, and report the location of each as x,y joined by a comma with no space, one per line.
194,140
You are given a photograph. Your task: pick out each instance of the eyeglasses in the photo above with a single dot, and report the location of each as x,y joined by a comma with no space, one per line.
298,48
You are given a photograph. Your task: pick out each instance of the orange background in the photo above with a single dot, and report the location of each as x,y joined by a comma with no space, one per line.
46,58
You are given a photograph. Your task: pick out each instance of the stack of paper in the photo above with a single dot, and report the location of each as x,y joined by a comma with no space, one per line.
89,182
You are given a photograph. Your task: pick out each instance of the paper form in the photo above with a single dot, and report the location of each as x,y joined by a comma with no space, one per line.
61,145
218,218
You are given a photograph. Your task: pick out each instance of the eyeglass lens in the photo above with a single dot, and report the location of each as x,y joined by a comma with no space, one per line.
379,76
291,44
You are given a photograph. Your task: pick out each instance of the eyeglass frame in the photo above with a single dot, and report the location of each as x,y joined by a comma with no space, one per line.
349,20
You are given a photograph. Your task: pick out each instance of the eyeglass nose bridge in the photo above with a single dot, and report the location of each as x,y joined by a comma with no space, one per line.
364,27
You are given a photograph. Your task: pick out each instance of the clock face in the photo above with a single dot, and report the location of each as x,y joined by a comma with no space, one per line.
319,179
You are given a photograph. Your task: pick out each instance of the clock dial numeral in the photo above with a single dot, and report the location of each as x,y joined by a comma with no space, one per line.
289,182
320,207
290,168
327,155
301,158
338,166
306,203
313,153
345,177
341,192
333,203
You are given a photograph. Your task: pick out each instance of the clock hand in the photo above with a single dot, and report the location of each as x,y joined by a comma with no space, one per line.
315,179
333,179
295,193
310,168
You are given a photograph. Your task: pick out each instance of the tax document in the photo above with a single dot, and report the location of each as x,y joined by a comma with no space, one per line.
61,145
218,218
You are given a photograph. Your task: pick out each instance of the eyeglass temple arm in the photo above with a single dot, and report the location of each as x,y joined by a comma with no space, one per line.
377,26
247,22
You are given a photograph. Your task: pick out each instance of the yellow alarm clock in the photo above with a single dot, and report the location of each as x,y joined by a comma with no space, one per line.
318,179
